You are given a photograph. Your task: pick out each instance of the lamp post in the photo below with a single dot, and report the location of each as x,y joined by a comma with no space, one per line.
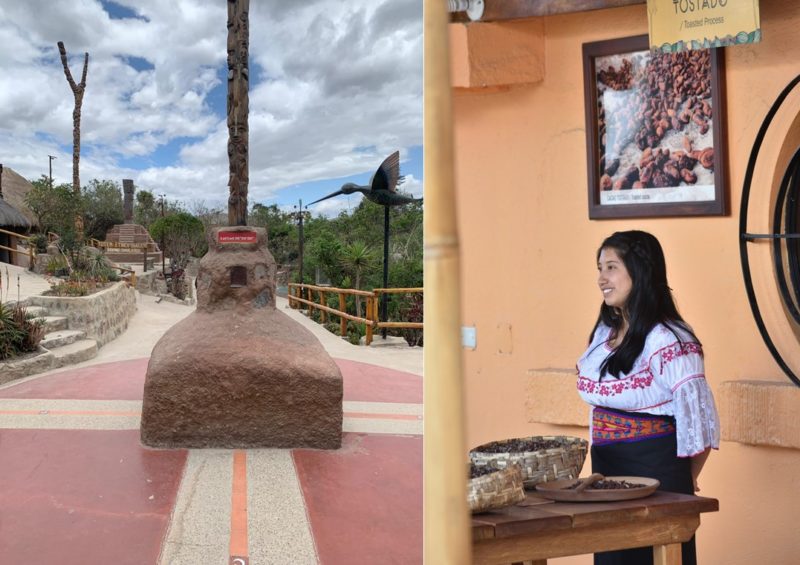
161,198
51,157
299,215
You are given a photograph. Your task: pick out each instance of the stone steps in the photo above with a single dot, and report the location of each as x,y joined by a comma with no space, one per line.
51,323
76,352
54,323
60,338
36,311
59,347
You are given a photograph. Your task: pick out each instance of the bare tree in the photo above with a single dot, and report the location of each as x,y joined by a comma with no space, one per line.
77,92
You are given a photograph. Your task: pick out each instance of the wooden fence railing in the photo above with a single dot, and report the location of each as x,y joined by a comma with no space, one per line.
31,253
51,237
305,293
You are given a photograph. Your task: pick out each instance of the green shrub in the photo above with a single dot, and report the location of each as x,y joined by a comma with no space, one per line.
57,267
39,241
355,332
71,288
19,331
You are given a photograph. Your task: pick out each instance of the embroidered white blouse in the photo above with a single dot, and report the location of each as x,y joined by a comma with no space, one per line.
667,379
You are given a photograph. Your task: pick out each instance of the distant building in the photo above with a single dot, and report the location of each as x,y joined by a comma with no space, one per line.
15,216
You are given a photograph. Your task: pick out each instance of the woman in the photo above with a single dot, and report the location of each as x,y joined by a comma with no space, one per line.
653,414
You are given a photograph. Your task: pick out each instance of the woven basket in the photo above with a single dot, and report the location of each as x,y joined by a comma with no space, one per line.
495,490
563,462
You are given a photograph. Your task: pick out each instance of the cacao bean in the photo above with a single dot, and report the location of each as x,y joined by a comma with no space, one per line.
612,167
659,179
688,176
686,162
646,173
707,158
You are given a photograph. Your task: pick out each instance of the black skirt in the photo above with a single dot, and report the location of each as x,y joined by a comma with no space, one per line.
655,458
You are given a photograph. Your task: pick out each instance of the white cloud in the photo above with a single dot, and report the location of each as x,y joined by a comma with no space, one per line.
335,87
412,186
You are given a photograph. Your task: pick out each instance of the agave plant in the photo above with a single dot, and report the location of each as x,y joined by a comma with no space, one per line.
19,331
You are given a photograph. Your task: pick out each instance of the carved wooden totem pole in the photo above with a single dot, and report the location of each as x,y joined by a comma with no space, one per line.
238,109
237,372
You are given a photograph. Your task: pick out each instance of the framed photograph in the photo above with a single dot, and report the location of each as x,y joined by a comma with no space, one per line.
655,130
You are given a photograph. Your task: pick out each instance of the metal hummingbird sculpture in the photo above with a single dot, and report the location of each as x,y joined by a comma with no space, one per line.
382,189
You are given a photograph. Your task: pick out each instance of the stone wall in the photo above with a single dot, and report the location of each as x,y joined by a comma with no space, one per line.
152,284
103,315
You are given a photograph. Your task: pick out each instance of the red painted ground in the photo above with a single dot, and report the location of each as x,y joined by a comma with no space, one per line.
122,380
370,383
79,497
74,497
365,500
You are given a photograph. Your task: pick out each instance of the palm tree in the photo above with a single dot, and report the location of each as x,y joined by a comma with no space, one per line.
357,258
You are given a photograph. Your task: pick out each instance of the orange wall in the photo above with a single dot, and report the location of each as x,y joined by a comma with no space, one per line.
528,254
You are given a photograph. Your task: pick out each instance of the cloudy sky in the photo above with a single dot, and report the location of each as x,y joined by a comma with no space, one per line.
335,87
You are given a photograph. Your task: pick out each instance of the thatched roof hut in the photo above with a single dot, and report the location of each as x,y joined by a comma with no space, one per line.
13,211
10,217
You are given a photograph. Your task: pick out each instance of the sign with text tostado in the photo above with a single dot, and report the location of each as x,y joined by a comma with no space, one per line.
679,25
237,237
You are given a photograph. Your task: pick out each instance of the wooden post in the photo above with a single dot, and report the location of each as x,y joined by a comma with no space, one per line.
238,108
370,315
342,320
144,260
666,554
323,299
446,517
12,246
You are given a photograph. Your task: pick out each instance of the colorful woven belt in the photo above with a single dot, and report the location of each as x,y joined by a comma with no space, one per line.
609,426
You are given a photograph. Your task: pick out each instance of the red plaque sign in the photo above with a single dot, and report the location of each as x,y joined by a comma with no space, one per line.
237,237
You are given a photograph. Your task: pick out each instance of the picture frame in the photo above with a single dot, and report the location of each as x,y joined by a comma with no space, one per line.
655,130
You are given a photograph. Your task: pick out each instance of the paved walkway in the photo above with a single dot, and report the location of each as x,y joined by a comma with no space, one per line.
78,487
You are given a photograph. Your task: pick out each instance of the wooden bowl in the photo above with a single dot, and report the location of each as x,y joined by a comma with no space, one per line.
559,490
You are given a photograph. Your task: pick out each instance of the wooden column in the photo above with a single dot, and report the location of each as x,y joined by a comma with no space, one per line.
238,108
447,538
342,320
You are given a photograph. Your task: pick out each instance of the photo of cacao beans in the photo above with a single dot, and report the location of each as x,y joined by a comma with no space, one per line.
655,120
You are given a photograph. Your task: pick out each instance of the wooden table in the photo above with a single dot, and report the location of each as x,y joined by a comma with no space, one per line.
537,529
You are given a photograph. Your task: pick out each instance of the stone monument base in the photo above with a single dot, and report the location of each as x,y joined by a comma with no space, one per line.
234,381
237,372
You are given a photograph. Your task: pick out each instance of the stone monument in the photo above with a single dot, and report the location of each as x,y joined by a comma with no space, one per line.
238,373
129,242
127,203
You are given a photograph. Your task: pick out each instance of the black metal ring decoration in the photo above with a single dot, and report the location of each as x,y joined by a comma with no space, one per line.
789,193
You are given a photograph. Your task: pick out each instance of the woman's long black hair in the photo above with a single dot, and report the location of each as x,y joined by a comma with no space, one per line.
649,302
